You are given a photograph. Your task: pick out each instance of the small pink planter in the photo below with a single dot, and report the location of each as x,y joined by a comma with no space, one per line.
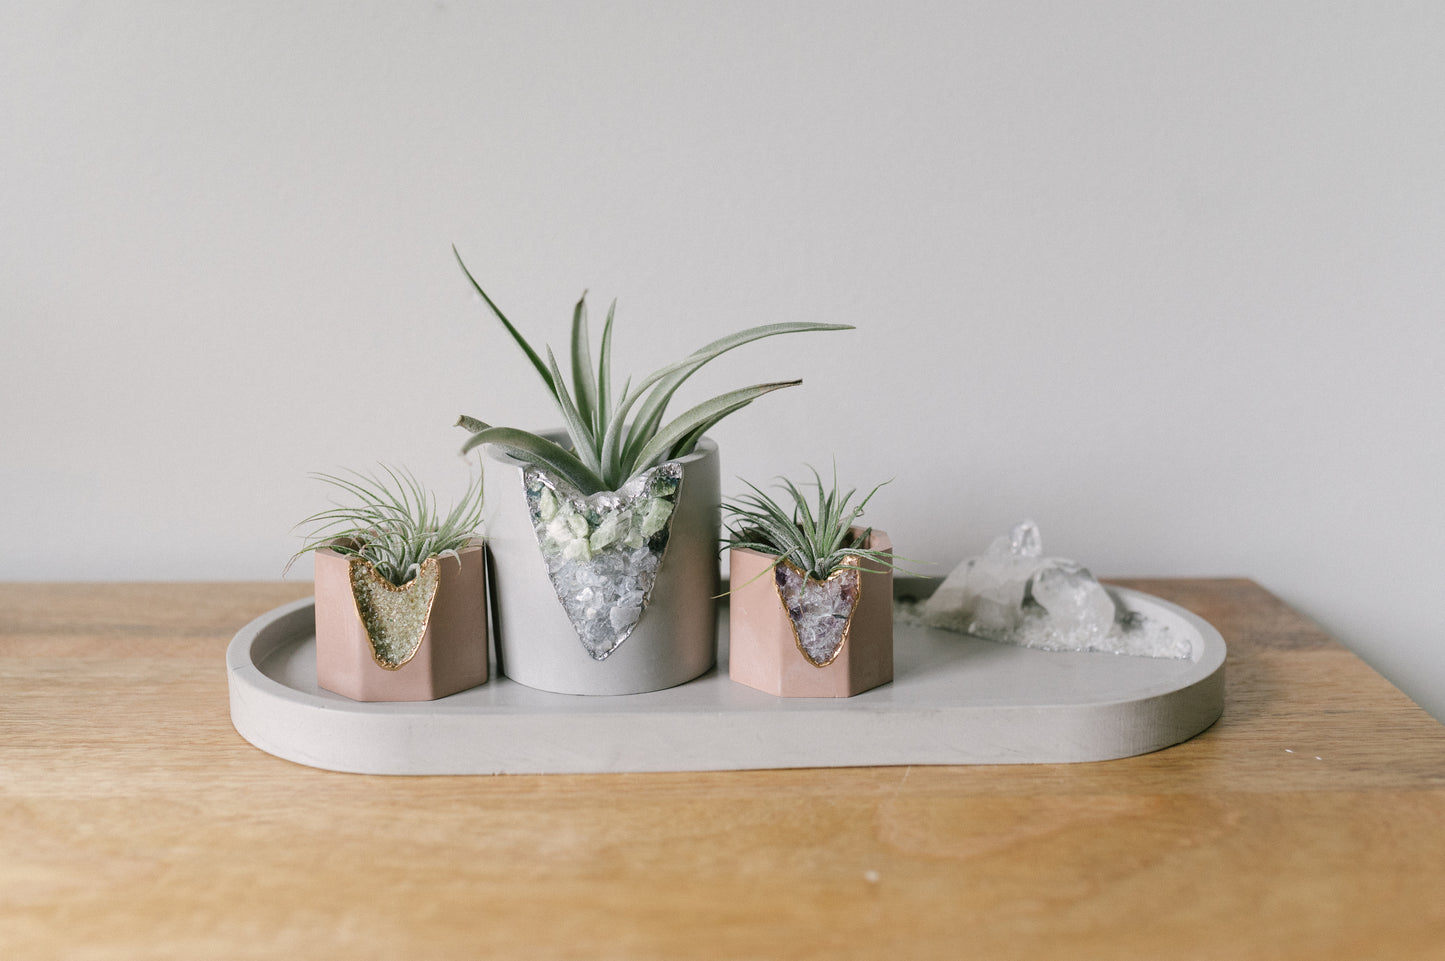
765,652
452,654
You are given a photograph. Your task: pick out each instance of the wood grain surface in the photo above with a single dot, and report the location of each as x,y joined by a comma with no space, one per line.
1309,822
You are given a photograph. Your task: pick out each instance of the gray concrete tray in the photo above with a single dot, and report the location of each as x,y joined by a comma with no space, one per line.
954,700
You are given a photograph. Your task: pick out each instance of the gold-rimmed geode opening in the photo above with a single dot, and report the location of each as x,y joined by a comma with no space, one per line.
820,613
395,618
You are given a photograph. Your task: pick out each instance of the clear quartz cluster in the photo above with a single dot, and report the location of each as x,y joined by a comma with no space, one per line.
603,551
820,611
1013,594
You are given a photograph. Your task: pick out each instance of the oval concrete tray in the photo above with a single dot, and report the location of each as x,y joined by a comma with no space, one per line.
954,700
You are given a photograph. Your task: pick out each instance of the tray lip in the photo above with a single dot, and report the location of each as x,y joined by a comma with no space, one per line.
247,679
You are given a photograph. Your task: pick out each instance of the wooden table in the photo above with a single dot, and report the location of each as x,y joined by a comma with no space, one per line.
134,822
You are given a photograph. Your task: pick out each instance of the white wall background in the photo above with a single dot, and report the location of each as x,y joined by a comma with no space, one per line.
1168,277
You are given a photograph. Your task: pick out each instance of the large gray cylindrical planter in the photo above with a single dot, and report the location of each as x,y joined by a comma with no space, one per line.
675,638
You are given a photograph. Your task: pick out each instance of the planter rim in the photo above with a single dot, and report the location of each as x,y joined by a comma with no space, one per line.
476,543
705,444
873,544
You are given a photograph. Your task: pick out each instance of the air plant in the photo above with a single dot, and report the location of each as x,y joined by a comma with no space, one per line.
617,435
816,541
392,524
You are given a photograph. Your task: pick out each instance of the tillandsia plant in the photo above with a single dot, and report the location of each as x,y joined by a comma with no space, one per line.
617,435
392,523
816,541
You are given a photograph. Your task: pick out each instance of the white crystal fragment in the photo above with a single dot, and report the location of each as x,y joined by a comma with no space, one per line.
1013,594
985,595
607,532
655,515
1069,593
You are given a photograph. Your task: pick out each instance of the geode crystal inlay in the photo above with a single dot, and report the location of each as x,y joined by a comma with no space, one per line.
820,611
395,618
603,551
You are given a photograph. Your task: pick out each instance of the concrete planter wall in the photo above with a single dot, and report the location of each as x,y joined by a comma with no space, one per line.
764,651
675,639
452,653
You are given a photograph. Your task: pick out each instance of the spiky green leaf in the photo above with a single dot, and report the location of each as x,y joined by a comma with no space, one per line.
604,375
526,446
584,445
708,411
584,383
670,378
516,335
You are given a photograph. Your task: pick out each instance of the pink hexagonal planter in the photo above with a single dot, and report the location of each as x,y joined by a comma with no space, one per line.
765,651
452,654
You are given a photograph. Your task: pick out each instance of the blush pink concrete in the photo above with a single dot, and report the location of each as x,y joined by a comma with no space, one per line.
764,654
453,652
